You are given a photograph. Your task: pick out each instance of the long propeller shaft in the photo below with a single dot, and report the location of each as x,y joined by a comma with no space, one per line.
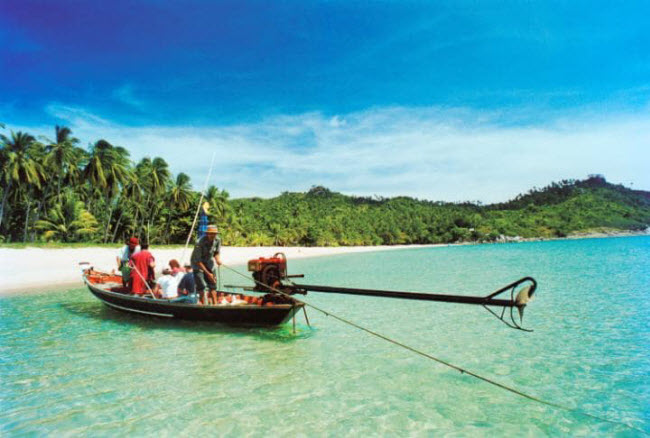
485,301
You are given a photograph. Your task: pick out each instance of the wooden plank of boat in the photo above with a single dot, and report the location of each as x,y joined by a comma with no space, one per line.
254,315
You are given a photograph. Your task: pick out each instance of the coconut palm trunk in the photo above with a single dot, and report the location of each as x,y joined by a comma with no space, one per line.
144,216
39,209
27,211
117,226
108,222
167,225
5,196
135,222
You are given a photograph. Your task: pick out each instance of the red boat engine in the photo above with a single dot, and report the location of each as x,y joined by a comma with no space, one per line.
268,272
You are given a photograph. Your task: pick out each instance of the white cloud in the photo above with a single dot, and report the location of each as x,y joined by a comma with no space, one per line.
76,117
125,94
430,153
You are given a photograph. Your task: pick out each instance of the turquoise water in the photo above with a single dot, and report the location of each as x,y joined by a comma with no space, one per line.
69,365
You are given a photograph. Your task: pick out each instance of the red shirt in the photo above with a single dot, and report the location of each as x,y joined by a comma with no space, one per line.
141,269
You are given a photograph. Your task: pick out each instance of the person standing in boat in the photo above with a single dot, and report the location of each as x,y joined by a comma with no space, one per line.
205,257
142,265
124,255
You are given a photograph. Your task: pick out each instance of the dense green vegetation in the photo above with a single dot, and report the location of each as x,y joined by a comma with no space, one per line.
321,217
53,190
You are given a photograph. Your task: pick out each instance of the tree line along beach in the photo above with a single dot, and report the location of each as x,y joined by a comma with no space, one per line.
55,191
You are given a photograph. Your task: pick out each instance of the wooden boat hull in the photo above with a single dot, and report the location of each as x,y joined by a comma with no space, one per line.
249,315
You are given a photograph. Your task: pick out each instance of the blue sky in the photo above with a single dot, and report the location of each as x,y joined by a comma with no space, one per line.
450,100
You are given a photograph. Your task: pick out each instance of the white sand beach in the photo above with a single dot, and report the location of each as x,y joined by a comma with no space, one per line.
30,269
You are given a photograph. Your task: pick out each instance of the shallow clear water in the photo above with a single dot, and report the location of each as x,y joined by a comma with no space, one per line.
70,365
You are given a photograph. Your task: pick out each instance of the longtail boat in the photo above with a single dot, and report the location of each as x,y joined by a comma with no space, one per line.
279,305
108,288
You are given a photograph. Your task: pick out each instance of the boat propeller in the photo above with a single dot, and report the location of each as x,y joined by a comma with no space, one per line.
524,296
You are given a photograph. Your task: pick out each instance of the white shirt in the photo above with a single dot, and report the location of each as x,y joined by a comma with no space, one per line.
123,253
169,285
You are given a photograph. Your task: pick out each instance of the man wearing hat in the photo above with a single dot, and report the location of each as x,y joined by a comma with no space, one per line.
124,255
205,256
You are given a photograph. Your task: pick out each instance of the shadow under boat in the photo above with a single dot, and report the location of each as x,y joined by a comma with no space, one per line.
95,311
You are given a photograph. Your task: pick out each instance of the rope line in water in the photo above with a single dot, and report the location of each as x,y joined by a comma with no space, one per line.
450,365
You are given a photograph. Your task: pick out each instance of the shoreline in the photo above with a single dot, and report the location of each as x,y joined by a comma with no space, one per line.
30,269
576,236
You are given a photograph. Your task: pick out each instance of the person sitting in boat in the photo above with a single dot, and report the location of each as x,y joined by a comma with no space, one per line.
187,287
142,264
167,285
206,254
124,255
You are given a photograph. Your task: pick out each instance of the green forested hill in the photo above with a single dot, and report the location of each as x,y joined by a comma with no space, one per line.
55,191
321,217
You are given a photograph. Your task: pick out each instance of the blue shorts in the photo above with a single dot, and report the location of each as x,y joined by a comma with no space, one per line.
201,281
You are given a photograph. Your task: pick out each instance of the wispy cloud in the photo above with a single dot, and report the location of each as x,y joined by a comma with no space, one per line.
126,95
432,153
76,117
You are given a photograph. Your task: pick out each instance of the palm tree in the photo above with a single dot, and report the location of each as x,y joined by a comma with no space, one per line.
119,173
107,170
159,176
218,200
159,180
18,165
232,230
119,170
154,176
107,167
68,221
131,203
142,172
94,170
179,197
62,155
34,191
180,192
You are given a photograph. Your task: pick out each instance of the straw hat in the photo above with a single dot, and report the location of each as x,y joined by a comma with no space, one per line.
212,229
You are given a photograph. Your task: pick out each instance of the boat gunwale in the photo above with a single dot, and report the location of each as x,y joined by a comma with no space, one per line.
169,303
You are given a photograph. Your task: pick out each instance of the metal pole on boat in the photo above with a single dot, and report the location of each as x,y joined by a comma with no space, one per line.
198,208
519,301
463,299
488,300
